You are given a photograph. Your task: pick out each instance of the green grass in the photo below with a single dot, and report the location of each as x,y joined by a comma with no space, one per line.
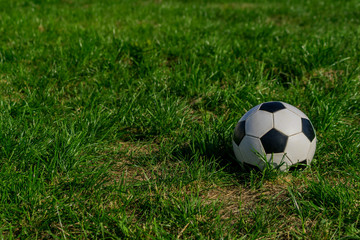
116,118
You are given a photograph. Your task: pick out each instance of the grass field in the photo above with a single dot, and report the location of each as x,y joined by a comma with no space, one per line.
116,118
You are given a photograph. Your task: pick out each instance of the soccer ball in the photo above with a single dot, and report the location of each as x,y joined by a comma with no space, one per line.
275,132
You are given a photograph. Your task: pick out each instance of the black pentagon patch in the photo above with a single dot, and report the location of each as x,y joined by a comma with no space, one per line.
239,132
272,106
308,129
274,141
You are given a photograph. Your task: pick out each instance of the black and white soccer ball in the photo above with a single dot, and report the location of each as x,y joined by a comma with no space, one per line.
276,132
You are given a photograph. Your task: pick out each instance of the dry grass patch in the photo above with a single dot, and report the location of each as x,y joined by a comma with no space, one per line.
330,78
279,20
124,153
7,92
128,158
135,149
238,200
229,197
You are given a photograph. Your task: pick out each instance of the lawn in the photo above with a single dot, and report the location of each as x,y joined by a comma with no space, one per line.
116,118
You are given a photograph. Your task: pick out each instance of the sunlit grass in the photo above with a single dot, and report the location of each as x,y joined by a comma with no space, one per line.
116,118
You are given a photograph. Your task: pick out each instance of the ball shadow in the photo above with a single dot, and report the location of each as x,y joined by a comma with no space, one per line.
220,151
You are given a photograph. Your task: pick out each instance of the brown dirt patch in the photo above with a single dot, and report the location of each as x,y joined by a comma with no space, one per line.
331,77
124,153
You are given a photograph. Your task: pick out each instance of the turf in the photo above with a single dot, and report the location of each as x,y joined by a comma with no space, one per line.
116,118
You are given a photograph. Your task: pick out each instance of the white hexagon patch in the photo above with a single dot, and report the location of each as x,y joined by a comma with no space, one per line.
279,159
249,113
250,147
312,149
259,123
297,148
287,122
294,110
